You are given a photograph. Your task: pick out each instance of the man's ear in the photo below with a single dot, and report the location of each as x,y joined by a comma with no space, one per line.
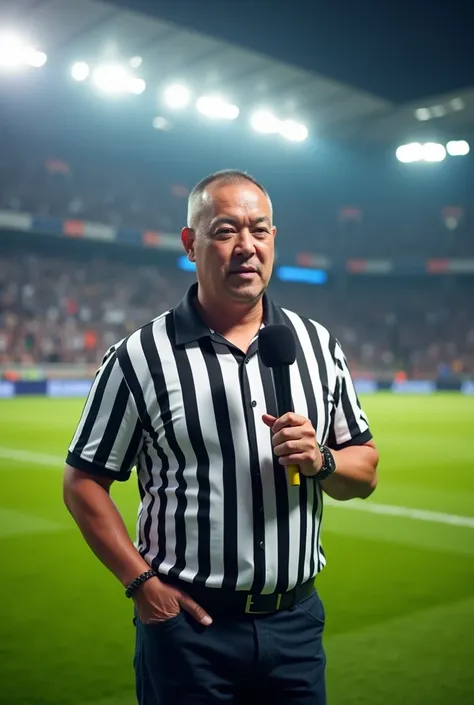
188,237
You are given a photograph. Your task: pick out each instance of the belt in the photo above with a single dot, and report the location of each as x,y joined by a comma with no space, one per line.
235,602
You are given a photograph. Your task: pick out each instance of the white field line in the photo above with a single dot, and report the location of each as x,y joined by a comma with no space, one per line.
24,456
407,512
56,462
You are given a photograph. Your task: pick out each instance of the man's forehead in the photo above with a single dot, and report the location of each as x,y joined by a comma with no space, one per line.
237,196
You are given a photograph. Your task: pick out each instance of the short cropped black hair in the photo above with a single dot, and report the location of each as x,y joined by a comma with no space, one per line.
225,176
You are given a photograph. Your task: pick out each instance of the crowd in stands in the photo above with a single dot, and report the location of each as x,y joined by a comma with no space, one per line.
58,308
55,308
415,327
91,191
388,224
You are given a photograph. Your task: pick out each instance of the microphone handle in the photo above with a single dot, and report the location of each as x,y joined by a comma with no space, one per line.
294,475
281,378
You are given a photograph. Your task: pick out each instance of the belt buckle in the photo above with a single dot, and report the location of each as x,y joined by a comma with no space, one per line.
249,603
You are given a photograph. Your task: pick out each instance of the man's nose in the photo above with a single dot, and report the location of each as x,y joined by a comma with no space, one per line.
245,242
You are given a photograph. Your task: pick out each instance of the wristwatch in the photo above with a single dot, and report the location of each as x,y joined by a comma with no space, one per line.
329,464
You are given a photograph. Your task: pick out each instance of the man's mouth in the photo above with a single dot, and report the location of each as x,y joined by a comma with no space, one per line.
244,270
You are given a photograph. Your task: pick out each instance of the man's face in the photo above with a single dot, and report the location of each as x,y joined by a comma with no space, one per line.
233,245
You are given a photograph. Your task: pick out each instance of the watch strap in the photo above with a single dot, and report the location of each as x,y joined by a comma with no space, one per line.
329,464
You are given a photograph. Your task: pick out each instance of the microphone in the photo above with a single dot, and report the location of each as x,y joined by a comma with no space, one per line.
277,350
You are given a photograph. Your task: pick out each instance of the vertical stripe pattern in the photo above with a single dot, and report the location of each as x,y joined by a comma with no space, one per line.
185,407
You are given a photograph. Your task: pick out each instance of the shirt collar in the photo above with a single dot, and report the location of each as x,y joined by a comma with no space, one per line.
189,326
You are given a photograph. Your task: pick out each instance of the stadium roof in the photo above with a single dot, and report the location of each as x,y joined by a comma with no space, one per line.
89,30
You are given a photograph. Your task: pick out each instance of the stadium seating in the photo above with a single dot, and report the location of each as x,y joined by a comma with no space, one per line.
386,216
64,308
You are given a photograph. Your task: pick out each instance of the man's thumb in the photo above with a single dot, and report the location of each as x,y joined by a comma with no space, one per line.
269,420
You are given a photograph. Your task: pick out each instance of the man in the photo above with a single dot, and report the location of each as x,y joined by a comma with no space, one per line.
222,575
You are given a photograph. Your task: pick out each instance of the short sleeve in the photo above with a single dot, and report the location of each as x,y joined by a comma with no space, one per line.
349,423
109,434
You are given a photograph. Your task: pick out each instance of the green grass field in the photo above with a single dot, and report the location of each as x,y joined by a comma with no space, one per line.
398,588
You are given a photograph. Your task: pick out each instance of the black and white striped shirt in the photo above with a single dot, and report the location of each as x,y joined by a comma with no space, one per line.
184,405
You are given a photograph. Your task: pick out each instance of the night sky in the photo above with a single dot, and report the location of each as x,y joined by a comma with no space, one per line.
397,49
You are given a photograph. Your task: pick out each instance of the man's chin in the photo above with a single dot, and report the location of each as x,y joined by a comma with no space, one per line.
246,293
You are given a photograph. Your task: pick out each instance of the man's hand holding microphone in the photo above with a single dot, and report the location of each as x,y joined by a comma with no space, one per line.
294,442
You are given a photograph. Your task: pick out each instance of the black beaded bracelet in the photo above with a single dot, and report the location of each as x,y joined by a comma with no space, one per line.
131,589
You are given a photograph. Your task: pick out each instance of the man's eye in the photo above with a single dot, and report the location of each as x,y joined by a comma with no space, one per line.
224,231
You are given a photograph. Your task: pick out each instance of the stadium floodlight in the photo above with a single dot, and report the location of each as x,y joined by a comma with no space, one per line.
136,85
423,114
80,71
457,104
217,108
177,96
265,122
136,62
409,153
161,123
294,131
458,148
416,152
438,110
14,52
433,152
37,59
115,79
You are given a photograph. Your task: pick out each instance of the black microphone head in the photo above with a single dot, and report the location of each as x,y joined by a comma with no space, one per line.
277,346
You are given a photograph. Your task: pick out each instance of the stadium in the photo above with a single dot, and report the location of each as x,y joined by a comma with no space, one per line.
110,113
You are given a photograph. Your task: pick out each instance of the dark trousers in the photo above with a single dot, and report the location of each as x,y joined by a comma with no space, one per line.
276,659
